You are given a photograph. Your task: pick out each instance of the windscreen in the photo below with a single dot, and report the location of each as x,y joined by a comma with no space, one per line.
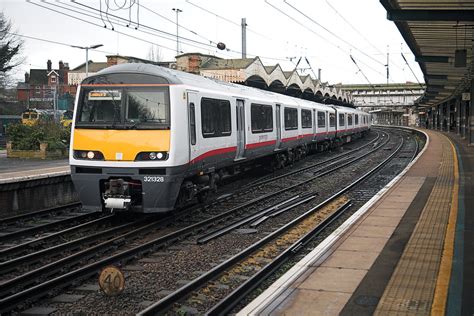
124,101
127,107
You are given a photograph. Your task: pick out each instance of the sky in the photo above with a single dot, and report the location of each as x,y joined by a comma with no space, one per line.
347,40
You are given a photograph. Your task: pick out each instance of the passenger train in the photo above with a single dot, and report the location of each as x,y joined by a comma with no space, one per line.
146,138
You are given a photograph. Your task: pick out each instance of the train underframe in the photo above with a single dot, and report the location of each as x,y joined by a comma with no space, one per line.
205,185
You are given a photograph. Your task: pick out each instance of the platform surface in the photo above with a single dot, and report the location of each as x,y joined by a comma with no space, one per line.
14,170
395,259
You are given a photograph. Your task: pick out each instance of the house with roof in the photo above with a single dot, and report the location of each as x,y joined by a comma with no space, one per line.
42,85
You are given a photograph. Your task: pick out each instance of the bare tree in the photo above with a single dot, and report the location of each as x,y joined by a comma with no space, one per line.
10,49
154,54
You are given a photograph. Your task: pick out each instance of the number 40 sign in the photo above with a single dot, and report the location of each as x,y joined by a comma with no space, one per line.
111,281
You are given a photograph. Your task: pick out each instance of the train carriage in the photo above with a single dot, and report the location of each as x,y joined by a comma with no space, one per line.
147,138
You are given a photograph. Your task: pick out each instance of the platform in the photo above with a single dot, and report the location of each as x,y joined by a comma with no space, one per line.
16,170
409,250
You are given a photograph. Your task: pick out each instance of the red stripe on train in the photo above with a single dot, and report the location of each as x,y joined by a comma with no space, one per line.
256,145
214,152
289,139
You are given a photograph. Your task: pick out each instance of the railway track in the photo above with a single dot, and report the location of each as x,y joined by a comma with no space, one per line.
275,247
16,294
16,230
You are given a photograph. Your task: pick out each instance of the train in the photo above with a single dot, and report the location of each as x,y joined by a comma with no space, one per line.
34,116
149,139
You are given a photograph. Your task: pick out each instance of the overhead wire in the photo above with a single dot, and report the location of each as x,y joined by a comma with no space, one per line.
403,56
117,21
55,42
91,23
179,25
141,39
338,37
360,70
148,27
224,18
353,27
282,12
172,36
122,7
219,16
320,36
360,33
332,33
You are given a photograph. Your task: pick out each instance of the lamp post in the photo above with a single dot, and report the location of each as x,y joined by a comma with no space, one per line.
87,54
177,26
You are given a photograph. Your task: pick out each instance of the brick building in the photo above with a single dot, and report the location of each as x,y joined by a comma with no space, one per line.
42,86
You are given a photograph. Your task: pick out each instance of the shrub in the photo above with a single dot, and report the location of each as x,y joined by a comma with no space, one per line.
24,137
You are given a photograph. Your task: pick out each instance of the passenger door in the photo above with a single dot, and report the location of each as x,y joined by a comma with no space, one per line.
192,104
315,120
278,125
240,117
327,120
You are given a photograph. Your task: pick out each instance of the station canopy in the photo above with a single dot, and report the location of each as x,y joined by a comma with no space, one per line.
440,35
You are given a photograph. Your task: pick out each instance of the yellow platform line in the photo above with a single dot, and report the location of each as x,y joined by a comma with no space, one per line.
438,306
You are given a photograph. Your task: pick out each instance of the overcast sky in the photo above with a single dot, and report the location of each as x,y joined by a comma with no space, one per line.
326,32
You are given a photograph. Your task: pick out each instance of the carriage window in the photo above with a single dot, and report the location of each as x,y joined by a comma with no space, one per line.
192,123
332,119
341,119
356,119
215,117
349,119
261,117
291,118
321,119
306,119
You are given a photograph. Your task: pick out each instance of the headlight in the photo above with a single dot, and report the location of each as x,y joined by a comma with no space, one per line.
151,155
88,155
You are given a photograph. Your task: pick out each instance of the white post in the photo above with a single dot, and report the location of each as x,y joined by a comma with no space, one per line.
244,38
177,29
87,62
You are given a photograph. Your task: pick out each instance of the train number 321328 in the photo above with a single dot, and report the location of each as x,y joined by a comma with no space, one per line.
153,179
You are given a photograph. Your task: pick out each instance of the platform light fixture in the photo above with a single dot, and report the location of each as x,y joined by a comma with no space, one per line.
87,54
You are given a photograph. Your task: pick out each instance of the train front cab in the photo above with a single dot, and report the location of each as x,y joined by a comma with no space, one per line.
124,154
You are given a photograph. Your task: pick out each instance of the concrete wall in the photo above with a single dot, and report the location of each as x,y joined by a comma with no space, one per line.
28,196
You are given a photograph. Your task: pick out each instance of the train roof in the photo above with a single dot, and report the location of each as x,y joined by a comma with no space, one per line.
181,77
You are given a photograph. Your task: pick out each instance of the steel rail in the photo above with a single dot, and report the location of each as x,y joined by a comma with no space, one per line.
229,302
52,267
15,263
287,205
260,214
258,183
4,253
22,217
36,229
39,290
166,302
